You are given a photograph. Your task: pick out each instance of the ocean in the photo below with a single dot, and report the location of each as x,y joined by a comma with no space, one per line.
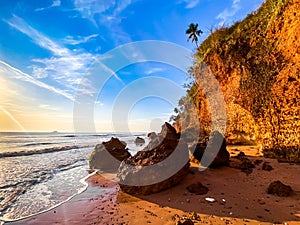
39,171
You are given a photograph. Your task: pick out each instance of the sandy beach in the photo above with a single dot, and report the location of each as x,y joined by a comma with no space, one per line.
239,198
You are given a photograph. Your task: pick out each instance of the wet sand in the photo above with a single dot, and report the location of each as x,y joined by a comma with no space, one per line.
239,199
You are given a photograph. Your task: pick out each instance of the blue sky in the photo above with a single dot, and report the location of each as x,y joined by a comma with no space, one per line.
47,50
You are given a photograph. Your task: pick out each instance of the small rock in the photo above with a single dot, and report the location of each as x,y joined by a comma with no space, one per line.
279,189
267,167
195,216
210,199
257,162
197,189
240,156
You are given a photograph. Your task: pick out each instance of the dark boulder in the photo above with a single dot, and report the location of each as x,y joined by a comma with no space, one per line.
152,135
197,189
215,151
139,141
257,162
108,155
240,156
185,222
246,166
279,189
159,166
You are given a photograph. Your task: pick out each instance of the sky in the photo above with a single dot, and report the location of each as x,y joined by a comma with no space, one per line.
64,61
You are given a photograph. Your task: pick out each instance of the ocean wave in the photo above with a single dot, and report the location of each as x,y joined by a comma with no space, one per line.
84,135
42,151
69,136
36,144
10,193
79,191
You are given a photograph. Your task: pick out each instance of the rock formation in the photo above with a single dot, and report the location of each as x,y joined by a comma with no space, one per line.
108,155
139,141
215,150
159,166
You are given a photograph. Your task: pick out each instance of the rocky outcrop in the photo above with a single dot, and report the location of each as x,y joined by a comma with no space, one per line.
168,132
139,141
159,166
152,135
215,151
279,189
107,156
256,63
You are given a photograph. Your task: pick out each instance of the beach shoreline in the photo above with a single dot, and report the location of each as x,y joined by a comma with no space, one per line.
240,198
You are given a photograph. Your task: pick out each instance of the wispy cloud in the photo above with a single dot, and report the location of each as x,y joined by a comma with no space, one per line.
99,103
55,3
111,8
40,39
89,8
79,39
48,107
229,12
105,13
65,66
153,70
19,75
189,4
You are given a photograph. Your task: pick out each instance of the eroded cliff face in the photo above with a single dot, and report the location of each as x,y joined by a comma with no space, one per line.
257,64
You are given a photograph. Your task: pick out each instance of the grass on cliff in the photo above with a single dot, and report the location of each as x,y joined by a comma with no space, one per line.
256,23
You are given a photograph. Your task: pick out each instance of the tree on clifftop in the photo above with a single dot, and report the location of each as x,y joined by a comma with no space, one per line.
193,33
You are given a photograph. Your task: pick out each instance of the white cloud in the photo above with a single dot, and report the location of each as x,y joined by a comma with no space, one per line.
105,13
55,3
65,66
189,4
19,75
39,73
40,39
99,103
110,71
79,39
229,12
48,107
153,70
89,8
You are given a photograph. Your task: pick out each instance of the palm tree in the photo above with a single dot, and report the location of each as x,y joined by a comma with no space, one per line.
193,33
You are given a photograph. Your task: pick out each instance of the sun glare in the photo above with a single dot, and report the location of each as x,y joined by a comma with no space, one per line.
8,122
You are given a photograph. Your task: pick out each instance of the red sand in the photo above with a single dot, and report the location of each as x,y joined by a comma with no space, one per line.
246,200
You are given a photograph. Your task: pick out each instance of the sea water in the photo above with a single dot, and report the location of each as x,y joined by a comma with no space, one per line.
41,170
